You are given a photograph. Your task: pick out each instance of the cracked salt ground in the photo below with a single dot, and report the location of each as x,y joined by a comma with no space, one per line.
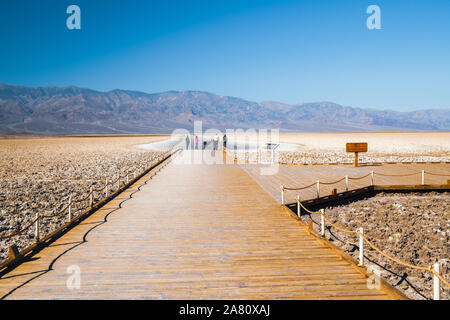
313,156
40,176
411,227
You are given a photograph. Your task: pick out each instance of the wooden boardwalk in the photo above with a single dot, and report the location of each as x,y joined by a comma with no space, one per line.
191,232
303,175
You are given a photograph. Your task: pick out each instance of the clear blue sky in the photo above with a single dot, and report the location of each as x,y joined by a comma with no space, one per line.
288,51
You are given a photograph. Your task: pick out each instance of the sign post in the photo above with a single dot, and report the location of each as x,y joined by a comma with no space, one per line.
356,147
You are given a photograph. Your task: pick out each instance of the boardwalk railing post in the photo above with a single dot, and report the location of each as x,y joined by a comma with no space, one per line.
436,284
361,247
36,228
282,194
423,177
318,188
371,178
91,198
106,188
298,206
322,222
346,183
70,209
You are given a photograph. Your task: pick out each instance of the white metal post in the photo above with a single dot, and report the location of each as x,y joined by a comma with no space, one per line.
36,228
423,177
298,206
70,209
127,178
361,247
318,188
282,194
91,198
371,178
436,284
322,222
346,183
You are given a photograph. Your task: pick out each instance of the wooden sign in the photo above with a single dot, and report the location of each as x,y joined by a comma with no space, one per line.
356,147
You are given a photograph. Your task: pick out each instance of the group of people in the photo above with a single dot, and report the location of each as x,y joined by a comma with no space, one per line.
214,140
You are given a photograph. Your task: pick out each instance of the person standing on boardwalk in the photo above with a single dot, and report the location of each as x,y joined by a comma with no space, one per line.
187,141
196,142
224,139
216,142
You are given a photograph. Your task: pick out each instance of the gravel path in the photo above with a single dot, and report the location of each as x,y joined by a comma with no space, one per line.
413,228
39,175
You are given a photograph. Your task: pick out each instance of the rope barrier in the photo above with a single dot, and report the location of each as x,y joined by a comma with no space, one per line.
359,178
124,176
83,199
20,231
403,263
99,189
362,177
437,174
300,188
326,183
332,224
58,213
113,183
397,175
72,202
338,228
430,269
362,239
309,211
337,181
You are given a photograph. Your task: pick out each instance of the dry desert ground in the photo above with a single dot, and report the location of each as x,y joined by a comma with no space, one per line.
40,174
411,227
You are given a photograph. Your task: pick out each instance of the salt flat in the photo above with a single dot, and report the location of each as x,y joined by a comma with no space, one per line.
383,147
40,174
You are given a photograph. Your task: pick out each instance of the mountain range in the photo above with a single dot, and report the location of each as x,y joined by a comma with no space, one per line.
74,110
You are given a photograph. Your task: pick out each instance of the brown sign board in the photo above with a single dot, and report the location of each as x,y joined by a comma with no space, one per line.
356,147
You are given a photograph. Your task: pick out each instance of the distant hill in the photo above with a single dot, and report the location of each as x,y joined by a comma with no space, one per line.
73,110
